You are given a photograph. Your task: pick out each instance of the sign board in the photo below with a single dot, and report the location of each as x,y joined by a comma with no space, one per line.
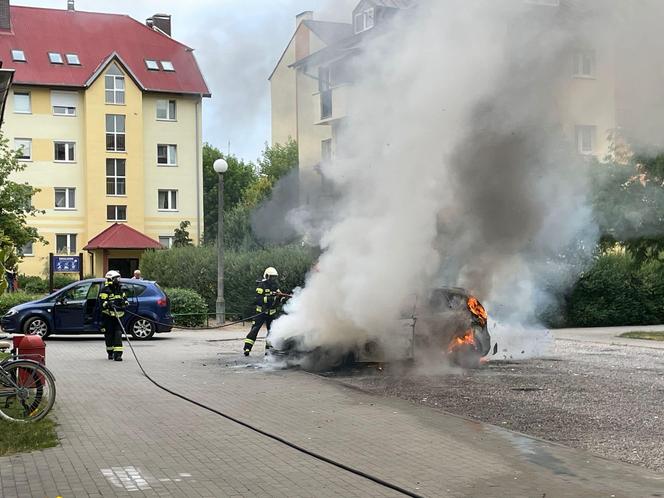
66,264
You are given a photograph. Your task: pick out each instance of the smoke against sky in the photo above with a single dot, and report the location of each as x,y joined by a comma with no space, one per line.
237,44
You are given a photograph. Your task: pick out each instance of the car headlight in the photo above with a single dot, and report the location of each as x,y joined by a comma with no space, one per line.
11,312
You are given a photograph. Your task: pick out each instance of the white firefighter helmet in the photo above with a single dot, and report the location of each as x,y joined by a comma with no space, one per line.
270,272
112,274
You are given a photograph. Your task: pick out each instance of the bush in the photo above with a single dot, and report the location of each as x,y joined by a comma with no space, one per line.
188,303
196,268
33,284
11,299
618,291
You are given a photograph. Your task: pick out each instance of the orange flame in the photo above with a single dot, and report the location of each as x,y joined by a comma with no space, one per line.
457,342
477,309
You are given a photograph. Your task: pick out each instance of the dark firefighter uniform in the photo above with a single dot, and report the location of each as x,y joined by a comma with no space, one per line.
267,304
112,301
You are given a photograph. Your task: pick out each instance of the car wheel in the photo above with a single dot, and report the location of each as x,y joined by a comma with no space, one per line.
142,329
36,325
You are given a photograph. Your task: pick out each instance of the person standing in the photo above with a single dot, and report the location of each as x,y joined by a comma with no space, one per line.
112,301
268,299
137,275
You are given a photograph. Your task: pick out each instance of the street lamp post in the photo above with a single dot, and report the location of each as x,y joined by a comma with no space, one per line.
220,166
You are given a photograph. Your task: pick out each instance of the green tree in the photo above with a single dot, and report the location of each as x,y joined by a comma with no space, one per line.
8,259
237,179
278,160
15,200
181,238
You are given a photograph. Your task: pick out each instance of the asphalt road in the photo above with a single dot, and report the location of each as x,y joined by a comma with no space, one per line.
592,391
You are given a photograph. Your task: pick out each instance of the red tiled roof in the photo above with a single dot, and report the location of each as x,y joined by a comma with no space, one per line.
94,37
120,236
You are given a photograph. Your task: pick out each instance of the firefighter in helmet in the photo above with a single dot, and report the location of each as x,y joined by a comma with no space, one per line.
268,299
112,301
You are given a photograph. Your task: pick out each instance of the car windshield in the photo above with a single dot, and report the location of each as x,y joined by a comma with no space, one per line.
78,292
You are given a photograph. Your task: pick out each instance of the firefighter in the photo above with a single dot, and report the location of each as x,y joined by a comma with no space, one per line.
268,299
112,301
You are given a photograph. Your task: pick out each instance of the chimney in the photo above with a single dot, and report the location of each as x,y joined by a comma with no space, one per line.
307,15
161,22
70,5
5,18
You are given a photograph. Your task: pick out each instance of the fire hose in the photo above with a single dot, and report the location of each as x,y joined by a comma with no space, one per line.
258,430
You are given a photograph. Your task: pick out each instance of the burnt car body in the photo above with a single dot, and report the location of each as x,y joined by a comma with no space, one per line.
449,322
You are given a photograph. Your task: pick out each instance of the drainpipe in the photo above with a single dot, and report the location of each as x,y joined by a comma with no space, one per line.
198,171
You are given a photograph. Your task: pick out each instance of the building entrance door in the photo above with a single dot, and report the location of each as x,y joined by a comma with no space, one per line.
125,266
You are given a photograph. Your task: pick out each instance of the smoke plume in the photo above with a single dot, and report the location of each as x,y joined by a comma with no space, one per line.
454,169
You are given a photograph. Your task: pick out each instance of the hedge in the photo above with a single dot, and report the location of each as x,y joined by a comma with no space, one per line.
38,285
11,299
196,268
618,291
189,305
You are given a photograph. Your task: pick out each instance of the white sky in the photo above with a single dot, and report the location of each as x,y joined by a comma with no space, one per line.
237,43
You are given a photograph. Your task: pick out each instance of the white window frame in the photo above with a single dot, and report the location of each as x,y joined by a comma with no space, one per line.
580,139
71,248
115,133
115,207
115,177
167,66
366,20
68,151
116,89
171,198
70,198
152,65
326,150
18,55
169,241
23,94
171,150
64,103
168,109
73,59
23,251
55,58
579,59
17,146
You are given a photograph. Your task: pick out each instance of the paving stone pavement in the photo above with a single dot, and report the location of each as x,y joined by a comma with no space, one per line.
121,436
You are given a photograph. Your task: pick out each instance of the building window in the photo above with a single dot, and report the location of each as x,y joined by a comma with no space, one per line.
64,151
166,110
115,132
167,66
73,59
24,148
168,200
116,213
55,58
26,250
326,104
65,198
326,150
585,139
22,102
151,65
166,241
167,155
364,20
18,55
65,243
115,177
584,64
115,86
64,103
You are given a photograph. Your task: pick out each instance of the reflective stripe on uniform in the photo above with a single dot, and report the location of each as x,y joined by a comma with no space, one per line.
272,312
109,348
117,348
259,309
259,290
249,341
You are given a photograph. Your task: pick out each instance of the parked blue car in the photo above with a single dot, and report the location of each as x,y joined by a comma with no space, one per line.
74,310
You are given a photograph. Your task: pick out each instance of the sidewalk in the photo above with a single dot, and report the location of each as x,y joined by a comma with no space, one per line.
610,335
123,437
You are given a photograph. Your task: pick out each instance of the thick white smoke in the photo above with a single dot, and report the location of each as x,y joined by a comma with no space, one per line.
451,169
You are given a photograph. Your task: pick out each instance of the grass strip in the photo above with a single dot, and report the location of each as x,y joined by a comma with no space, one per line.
19,438
648,336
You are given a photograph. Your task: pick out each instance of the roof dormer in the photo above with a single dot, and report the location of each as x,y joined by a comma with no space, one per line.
369,13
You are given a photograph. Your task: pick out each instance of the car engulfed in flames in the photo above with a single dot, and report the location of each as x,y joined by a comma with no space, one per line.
449,325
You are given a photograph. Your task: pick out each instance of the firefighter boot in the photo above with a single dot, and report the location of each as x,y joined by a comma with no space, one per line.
248,344
110,355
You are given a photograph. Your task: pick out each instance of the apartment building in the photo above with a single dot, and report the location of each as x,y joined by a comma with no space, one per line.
106,112
311,83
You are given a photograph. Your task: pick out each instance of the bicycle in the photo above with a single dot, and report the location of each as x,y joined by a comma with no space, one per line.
27,390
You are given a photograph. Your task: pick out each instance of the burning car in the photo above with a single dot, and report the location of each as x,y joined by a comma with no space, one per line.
449,323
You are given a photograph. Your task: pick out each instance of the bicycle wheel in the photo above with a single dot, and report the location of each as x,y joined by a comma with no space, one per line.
27,391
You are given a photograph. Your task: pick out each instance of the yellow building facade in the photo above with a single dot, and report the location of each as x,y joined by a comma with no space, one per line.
112,148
